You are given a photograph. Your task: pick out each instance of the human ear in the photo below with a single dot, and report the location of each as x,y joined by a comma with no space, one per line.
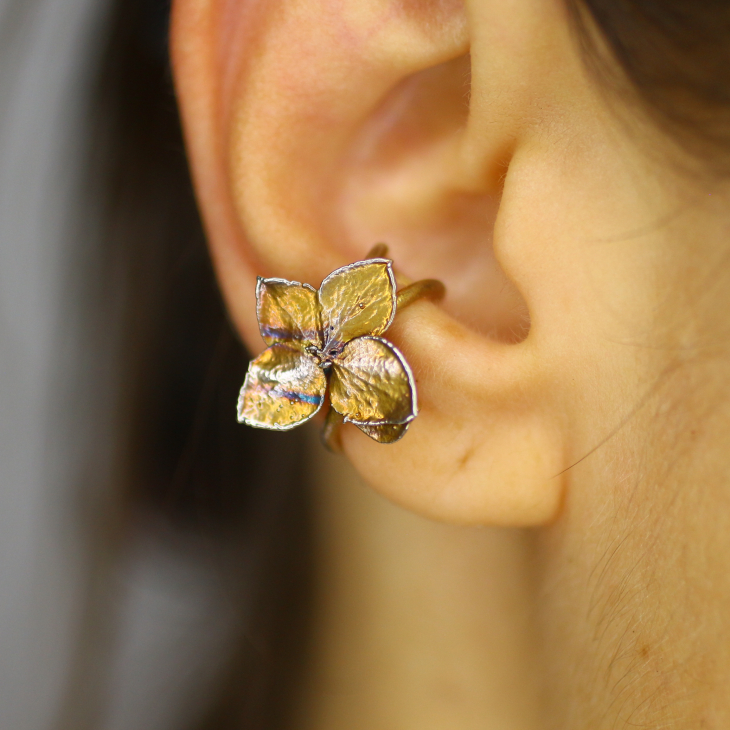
316,129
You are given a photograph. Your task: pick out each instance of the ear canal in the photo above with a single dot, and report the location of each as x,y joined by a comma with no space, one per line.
406,184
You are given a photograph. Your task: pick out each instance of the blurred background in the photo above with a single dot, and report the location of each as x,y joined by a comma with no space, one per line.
155,557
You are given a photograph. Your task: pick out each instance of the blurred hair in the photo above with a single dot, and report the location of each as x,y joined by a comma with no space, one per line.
187,460
676,56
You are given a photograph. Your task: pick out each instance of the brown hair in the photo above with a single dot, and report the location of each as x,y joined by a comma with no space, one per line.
676,56
189,465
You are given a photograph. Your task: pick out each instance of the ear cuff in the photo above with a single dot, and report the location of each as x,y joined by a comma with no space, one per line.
325,347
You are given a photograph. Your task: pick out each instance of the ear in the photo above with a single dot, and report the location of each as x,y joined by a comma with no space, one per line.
316,129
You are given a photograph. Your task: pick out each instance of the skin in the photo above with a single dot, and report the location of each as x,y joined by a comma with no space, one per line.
573,385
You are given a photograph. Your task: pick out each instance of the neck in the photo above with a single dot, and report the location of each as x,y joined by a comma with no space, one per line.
416,624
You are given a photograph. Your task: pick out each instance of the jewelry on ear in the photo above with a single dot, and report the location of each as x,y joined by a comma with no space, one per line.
328,342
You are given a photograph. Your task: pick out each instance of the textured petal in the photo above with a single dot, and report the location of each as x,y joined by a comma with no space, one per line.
371,383
357,300
283,388
288,312
387,433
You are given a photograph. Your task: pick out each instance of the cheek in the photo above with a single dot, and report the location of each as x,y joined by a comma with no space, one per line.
635,594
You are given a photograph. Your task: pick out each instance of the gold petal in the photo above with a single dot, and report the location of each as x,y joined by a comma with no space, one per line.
357,300
388,433
371,383
283,388
288,312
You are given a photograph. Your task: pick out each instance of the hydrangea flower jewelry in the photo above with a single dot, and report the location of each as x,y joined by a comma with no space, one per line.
328,341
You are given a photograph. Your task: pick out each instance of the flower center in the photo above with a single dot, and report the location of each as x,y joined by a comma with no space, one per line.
325,355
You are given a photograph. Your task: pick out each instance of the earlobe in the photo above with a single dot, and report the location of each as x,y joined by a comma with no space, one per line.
487,448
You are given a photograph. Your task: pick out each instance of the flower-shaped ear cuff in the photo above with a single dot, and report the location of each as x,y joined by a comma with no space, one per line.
328,341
